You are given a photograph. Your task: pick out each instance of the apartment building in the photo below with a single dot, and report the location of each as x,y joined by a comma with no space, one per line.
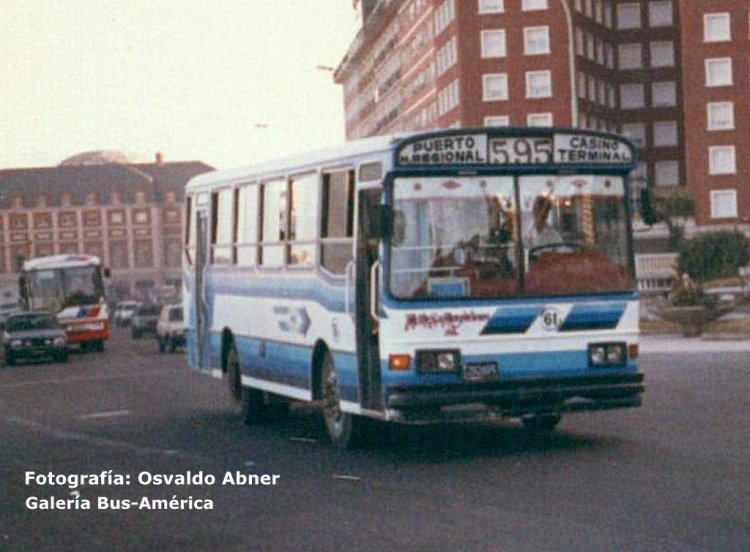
640,68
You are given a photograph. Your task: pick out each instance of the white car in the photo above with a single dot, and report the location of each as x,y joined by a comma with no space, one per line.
170,328
124,313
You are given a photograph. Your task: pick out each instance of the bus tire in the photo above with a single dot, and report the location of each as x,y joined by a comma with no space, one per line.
10,360
234,380
98,345
541,423
161,344
344,430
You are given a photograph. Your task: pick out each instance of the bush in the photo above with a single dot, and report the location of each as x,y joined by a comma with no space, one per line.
714,255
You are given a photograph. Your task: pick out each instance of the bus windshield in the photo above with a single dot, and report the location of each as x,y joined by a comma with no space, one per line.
505,236
56,289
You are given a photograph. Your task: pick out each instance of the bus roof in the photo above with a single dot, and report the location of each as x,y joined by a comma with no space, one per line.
61,261
297,163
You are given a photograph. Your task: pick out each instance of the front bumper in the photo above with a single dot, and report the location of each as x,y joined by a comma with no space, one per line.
513,398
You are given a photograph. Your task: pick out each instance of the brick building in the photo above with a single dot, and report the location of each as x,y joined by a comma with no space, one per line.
130,215
670,74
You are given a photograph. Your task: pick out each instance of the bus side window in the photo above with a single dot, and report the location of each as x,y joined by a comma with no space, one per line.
222,224
337,220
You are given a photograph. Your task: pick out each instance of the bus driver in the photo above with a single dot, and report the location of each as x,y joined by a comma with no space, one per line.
539,232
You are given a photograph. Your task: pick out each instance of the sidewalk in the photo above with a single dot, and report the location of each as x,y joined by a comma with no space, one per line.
709,343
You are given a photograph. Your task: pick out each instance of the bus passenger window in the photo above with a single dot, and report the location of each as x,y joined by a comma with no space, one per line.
337,221
247,225
274,226
303,206
222,212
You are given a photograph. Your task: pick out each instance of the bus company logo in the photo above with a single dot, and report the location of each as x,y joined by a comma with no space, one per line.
292,320
447,321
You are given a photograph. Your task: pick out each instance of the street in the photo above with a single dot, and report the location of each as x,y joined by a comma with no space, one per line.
671,475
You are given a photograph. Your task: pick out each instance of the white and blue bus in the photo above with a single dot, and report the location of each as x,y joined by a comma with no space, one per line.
464,274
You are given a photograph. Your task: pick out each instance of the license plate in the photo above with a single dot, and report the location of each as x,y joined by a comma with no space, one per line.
479,371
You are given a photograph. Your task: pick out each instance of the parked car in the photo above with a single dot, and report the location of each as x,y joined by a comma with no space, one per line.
170,329
144,320
33,335
124,313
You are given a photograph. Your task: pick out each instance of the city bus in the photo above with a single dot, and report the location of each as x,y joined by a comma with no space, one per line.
72,287
459,275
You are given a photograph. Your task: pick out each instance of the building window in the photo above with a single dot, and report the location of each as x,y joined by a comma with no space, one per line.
497,121
724,204
495,87
667,173
491,6
607,7
662,54
140,197
530,5
717,27
660,14
636,133
448,98
444,15
630,56
665,133
628,16
720,115
721,160
539,119
143,254
90,198
632,96
663,94
538,84
580,51
118,255
140,216
719,72
493,43
65,200
536,40
447,56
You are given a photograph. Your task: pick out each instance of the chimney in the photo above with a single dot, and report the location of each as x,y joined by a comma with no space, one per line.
159,158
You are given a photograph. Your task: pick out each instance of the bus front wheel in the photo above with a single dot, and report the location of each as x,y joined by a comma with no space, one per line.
344,430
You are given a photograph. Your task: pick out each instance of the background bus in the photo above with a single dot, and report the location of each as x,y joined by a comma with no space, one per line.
71,286
468,274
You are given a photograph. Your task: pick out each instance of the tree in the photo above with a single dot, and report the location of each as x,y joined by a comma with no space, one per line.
667,207
714,255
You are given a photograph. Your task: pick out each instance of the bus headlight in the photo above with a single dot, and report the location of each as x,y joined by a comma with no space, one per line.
607,354
59,342
16,343
436,362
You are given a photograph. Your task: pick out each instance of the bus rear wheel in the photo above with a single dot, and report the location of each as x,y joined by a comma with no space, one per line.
246,401
344,430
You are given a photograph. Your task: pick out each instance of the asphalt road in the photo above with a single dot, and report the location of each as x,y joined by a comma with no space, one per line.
670,476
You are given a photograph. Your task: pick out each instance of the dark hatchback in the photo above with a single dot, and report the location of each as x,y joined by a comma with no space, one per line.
34,335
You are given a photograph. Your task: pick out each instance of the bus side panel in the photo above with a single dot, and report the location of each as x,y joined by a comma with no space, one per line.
276,321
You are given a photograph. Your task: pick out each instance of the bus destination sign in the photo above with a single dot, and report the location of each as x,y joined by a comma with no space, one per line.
479,149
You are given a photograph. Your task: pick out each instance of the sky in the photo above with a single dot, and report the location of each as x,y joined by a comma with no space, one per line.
226,82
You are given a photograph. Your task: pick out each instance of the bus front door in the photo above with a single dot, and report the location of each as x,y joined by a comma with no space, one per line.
201,306
366,293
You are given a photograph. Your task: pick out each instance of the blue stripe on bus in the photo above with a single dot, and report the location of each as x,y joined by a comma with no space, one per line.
511,320
285,363
593,317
